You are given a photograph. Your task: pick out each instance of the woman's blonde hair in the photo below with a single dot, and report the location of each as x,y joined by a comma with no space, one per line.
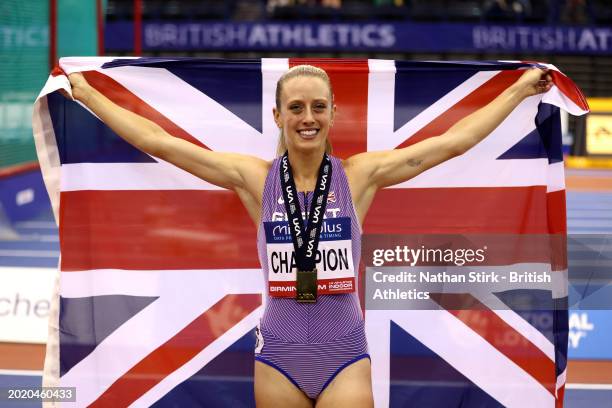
294,72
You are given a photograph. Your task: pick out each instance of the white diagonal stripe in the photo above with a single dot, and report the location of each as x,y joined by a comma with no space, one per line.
519,324
200,360
220,129
474,357
381,105
120,351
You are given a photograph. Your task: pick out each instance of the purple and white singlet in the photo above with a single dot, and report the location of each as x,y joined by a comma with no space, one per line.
310,343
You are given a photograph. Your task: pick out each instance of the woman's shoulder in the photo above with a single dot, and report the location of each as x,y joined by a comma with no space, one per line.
353,162
253,163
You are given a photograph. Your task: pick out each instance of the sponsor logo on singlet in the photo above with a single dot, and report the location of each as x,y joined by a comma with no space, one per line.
332,229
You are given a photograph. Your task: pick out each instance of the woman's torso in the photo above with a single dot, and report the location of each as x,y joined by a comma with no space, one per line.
331,316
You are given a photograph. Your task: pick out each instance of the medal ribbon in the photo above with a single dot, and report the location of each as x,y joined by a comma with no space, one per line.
305,238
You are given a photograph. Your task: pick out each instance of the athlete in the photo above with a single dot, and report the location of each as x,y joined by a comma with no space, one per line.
310,354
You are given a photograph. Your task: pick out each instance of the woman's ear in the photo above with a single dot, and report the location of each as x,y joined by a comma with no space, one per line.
333,115
277,120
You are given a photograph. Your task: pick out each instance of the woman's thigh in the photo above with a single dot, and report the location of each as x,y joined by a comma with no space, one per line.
352,387
273,389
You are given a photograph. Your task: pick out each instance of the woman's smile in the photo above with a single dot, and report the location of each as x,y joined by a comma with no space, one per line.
308,133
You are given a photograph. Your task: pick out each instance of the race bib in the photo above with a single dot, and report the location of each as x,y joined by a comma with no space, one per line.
335,271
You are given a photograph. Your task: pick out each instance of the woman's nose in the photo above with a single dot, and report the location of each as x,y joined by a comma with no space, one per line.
308,116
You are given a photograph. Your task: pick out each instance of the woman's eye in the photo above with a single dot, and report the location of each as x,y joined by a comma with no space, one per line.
295,107
320,106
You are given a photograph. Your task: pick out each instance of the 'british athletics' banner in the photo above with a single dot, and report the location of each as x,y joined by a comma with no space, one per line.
359,37
160,284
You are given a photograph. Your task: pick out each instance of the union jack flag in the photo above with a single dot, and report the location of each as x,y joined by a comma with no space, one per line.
160,286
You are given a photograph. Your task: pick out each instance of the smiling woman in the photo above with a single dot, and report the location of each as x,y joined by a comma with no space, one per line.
311,345
322,106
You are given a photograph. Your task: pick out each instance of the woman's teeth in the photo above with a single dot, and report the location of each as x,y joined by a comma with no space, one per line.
308,133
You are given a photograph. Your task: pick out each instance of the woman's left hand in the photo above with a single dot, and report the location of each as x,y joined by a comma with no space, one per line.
534,81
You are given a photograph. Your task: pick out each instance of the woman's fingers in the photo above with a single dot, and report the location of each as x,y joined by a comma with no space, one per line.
546,81
79,85
536,81
76,79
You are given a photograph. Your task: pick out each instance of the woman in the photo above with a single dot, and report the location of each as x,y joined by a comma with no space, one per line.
309,353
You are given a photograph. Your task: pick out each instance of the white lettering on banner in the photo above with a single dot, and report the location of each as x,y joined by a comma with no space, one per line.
387,36
194,33
309,39
258,36
220,35
15,115
583,39
290,37
274,35
369,35
25,296
343,35
21,37
17,305
326,35
587,41
579,326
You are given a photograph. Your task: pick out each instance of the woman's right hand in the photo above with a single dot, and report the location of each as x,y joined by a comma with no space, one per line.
80,86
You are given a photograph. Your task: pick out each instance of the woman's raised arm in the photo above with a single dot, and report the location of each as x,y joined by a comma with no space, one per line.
368,172
227,170
241,173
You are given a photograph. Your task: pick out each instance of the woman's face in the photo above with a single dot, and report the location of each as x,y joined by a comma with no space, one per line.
306,113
